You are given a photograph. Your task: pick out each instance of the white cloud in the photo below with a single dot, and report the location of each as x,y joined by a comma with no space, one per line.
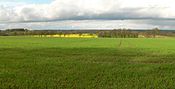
88,9
91,14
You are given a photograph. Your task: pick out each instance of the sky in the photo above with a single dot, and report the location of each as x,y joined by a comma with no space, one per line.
27,1
87,14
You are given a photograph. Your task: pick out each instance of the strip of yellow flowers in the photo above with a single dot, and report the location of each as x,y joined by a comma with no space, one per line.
70,36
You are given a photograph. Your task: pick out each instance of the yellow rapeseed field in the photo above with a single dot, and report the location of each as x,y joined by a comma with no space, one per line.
70,36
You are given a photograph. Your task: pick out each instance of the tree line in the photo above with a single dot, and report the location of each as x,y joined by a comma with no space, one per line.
115,33
118,33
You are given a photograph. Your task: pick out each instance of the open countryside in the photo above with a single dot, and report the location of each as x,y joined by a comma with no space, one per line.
87,44
98,63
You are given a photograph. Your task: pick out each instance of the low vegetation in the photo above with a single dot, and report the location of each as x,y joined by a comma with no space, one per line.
93,63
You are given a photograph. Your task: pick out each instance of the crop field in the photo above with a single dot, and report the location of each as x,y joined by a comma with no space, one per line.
87,63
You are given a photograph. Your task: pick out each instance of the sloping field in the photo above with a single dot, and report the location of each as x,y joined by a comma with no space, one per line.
94,63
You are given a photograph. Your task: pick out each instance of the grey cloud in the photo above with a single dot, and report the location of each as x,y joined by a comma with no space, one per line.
72,10
93,24
68,14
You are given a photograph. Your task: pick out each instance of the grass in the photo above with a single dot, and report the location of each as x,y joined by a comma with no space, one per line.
73,63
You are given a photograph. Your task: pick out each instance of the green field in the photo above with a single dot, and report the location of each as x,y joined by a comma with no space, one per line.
73,63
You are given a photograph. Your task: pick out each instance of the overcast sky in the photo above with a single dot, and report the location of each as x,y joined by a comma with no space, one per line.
87,14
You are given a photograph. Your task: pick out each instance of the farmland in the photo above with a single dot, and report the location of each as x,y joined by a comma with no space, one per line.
90,63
